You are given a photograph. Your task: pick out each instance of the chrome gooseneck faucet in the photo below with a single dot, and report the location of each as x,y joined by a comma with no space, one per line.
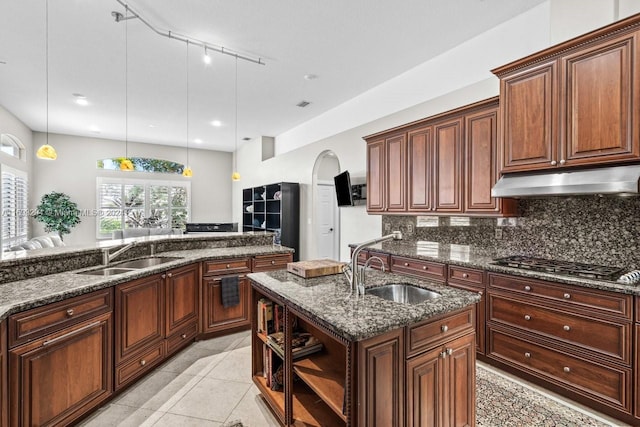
352,273
107,257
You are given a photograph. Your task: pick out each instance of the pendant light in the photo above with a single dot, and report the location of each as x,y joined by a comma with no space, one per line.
235,176
187,170
126,165
46,151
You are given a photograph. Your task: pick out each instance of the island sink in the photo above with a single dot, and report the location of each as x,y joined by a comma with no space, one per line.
403,293
107,271
146,262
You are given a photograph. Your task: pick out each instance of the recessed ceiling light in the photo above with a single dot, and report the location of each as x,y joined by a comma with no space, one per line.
216,123
197,141
310,76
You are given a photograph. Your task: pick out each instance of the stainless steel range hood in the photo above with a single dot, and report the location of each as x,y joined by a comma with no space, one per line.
621,180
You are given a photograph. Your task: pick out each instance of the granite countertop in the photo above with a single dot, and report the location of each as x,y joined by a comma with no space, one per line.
478,257
329,301
30,293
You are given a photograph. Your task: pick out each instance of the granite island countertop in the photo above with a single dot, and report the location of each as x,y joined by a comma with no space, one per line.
25,294
329,301
473,256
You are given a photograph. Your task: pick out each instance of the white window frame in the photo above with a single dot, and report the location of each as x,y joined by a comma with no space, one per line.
100,181
8,140
15,210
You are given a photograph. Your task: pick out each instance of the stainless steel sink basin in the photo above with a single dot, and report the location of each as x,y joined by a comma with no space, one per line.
146,262
403,293
108,271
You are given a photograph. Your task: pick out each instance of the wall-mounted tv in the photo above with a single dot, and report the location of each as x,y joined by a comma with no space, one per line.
347,193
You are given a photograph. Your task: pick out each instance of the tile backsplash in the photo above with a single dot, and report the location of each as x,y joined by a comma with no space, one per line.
590,229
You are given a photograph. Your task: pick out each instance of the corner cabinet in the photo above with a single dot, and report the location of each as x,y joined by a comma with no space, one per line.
274,208
573,104
446,164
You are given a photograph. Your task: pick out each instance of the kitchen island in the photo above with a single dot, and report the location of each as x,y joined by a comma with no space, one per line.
382,363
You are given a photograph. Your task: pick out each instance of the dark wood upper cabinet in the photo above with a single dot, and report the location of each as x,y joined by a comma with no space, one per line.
573,104
376,181
396,153
448,165
420,164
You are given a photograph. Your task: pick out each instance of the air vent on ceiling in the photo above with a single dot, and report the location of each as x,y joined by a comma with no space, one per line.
302,104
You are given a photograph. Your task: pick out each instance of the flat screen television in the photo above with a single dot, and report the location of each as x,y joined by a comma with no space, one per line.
343,189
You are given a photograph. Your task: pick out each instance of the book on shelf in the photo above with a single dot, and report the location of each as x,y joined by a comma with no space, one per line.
302,344
265,316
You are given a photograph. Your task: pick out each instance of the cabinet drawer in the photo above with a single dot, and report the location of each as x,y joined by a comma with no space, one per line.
36,323
424,336
182,337
226,266
608,384
609,338
138,364
591,301
271,262
465,276
420,268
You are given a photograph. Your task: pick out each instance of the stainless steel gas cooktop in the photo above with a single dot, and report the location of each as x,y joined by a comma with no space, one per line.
591,271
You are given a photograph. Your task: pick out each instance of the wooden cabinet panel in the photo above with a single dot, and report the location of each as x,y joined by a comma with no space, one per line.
425,389
271,262
182,297
181,338
602,98
217,317
609,384
4,380
528,107
425,335
139,315
396,154
381,380
481,172
420,169
38,322
376,176
227,266
461,380
138,364
420,268
637,369
448,165
480,313
57,378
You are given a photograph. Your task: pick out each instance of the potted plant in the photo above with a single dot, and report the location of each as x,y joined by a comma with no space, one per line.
58,213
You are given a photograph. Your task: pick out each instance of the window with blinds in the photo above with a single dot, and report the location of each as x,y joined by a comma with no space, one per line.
14,202
141,203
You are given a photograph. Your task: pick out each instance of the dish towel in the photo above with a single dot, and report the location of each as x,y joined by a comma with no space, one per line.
230,291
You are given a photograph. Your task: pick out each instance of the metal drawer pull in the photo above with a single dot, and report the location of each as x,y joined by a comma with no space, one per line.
183,336
170,275
143,362
465,275
566,369
273,262
449,351
228,265
527,355
563,161
444,328
567,296
424,267
443,354
527,317
70,312
68,334
527,288
553,163
566,328
406,264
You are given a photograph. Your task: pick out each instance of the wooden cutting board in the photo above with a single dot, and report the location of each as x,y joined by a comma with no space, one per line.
315,268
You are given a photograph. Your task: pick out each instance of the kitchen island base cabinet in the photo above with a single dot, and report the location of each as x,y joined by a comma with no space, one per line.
4,381
60,377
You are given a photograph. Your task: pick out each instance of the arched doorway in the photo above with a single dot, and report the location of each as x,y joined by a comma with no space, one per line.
326,216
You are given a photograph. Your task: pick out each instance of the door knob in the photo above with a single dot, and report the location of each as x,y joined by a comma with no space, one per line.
331,229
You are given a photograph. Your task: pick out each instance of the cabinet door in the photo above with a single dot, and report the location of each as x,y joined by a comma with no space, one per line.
425,386
380,401
396,175
420,167
528,109
217,317
637,367
602,96
182,298
480,314
375,176
448,166
139,315
461,381
481,161
58,378
4,381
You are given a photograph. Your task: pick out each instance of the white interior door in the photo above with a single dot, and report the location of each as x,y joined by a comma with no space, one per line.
327,215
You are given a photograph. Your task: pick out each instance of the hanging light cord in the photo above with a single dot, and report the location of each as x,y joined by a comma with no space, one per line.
236,118
46,67
126,85
187,103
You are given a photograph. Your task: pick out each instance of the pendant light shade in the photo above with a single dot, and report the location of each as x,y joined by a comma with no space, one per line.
187,172
46,151
235,176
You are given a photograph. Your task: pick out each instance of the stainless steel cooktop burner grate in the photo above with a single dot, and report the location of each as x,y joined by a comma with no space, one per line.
590,271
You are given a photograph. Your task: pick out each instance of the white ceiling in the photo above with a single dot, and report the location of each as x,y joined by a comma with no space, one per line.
352,46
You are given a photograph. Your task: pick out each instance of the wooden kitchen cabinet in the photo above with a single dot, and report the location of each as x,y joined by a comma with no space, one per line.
636,362
447,171
473,280
573,104
4,380
270,262
182,306
386,174
57,378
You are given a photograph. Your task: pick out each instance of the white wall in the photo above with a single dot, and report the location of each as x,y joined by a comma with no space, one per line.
11,125
75,173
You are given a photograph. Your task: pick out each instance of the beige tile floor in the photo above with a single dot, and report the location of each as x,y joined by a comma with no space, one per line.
209,384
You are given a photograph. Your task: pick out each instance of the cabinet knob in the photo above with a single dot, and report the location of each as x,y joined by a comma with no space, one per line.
465,275
449,351
527,288
424,267
70,312
566,328
406,264
527,355
527,317
164,276
444,328
228,265
563,161
443,354
183,336
567,296
553,163
170,275
566,369
273,262
143,362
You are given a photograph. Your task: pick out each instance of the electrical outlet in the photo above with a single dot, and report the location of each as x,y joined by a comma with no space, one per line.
498,233
409,228
387,226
